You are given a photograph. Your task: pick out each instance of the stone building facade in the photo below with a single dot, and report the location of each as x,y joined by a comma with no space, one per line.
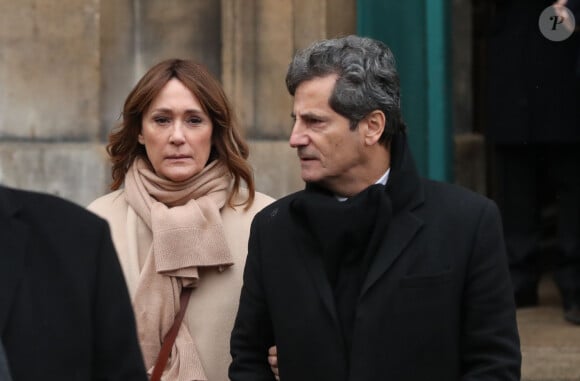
66,67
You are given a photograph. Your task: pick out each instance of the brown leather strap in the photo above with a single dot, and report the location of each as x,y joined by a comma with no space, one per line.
171,335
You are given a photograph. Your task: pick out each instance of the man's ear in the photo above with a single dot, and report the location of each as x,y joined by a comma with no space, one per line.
375,126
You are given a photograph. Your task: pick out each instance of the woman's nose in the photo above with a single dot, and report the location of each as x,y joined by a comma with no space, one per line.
177,136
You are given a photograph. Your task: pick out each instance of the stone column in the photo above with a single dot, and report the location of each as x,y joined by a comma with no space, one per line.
259,40
49,97
470,157
66,68
119,60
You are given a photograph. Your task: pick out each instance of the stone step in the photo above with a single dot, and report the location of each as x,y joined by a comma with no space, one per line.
550,345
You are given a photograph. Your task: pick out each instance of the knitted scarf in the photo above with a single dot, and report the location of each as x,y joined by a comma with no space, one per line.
184,218
346,235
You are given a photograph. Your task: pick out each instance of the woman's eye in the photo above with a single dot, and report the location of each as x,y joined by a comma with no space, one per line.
194,120
161,120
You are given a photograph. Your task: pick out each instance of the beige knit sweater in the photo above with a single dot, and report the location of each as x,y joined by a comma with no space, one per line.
214,303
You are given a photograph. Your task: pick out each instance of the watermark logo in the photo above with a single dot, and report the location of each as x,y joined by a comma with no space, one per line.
557,22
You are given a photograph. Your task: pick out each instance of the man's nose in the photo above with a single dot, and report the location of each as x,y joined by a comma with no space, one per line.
298,137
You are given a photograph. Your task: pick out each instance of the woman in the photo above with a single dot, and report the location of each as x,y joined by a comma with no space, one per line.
182,219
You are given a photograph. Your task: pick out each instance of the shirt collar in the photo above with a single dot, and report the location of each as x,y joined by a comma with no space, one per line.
382,180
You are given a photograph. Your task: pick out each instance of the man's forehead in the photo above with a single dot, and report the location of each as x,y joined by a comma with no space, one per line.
313,96
325,82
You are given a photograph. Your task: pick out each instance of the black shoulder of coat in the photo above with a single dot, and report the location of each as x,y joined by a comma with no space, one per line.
454,196
52,211
278,208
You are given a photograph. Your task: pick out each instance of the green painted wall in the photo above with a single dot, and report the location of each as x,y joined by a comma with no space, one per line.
417,31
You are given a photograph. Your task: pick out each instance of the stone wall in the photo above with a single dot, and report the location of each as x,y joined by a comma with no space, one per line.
67,66
49,97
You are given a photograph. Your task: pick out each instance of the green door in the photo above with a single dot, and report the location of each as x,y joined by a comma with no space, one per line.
417,32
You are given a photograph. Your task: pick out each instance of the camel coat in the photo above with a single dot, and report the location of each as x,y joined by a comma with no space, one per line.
213,304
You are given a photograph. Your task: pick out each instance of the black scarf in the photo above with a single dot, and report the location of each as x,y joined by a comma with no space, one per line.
347,234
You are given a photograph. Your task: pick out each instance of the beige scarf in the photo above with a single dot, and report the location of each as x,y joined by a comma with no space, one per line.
187,231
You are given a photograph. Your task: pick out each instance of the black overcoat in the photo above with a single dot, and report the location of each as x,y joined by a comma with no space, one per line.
436,303
65,312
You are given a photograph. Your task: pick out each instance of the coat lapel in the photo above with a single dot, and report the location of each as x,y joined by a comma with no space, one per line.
13,235
406,192
402,229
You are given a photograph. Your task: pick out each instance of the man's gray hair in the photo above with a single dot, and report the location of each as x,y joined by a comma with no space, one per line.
367,78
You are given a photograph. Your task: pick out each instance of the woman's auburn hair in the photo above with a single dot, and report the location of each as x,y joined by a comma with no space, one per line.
228,144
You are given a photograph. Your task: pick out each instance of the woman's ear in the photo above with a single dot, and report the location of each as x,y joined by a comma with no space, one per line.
375,125
141,139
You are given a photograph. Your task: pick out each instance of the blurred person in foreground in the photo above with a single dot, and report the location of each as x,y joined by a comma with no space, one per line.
370,272
65,313
182,218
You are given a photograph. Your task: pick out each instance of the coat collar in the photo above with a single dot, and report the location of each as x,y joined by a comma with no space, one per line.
406,192
404,186
14,237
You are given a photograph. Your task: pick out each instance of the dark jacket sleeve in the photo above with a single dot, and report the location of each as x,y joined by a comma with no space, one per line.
490,348
117,355
4,369
252,332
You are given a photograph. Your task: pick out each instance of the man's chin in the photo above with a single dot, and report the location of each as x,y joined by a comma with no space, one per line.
309,178
316,181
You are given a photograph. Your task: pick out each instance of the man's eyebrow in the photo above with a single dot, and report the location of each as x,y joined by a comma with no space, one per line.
309,115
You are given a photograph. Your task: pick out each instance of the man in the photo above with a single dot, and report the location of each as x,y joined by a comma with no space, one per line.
355,280
534,130
65,312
